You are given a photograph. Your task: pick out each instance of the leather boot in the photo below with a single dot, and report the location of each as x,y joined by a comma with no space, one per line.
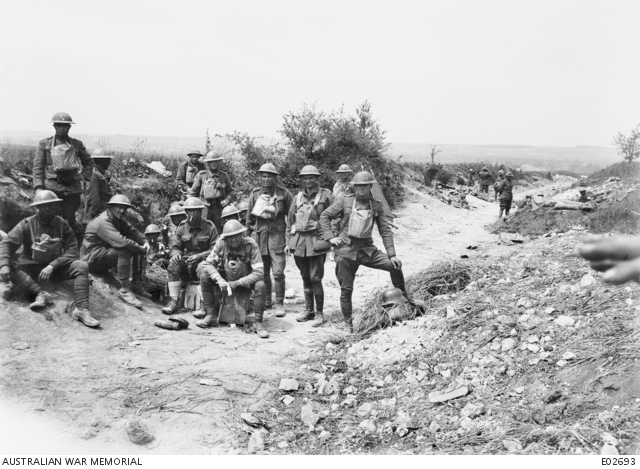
43,299
171,308
129,298
210,320
262,332
84,316
308,314
319,320
200,314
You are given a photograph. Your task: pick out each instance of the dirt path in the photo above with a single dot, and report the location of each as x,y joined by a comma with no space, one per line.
74,389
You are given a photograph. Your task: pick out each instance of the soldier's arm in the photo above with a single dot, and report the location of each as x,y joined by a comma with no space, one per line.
209,266
258,268
177,246
39,163
180,177
195,188
10,244
291,220
385,232
85,160
70,246
251,219
108,233
334,210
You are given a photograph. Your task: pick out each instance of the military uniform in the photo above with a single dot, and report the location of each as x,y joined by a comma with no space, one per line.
359,251
212,189
187,173
341,189
213,269
98,194
305,243
67,184
506,195
110,242
270,235
496,186
189,241
62,256
484,177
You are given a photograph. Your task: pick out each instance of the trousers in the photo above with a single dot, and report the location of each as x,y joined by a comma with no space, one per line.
103,259
274,263
212,296
346,273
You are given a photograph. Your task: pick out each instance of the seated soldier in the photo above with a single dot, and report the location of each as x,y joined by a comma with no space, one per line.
243,208
110,242
170,222
50,250
192,243
230,212
235,254
158,252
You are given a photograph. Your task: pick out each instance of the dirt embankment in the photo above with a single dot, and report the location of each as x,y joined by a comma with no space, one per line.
190,387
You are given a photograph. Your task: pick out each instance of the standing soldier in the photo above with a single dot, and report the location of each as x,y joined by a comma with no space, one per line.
50,252
343,185
496,185
483,177
213,186
471,180
354,244
267,219
506,195
59,166
187,172
583,189
305,242
191,245
99,192
110,241
237,256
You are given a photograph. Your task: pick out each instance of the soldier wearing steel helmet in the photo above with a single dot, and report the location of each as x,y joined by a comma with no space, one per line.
192,243
213,186
158,252
353,246
343,185
171,221
234,266
188,170
484,177
506,195
496,185
304,240
111,242
99,191
267,212
59,165
50,251
230,212
243,209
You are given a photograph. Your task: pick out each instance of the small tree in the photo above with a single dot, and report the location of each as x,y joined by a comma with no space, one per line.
434,151
628,147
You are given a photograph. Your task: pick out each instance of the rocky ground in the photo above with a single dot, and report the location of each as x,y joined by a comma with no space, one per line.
540,351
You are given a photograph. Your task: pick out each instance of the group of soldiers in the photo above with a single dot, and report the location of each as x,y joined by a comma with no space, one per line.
232,251
502,187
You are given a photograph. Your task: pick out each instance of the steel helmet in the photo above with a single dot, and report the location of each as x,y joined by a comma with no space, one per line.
344,168
471,170
120,199
100,153
363,177
509,174
195,152
393,296
501,171
243,207
45,197
152,229
232,227
309,170
213,156
176,209
268,168
229,210
193,203
485,168
62,118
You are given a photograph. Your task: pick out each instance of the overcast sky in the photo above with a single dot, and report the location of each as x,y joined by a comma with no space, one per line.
485,72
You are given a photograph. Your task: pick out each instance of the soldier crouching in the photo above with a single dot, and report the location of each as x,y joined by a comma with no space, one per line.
50,251
235,268
193,241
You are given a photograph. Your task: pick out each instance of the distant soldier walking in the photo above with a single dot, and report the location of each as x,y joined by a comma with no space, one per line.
484,178
496,185
506,194
60,164
213,186
267,213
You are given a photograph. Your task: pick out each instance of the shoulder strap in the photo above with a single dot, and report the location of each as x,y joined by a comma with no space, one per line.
299,199
31,229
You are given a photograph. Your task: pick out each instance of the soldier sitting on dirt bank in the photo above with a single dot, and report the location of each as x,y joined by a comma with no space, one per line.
50,250
353,246
235,268
60,164
110,242
269,205
192,243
